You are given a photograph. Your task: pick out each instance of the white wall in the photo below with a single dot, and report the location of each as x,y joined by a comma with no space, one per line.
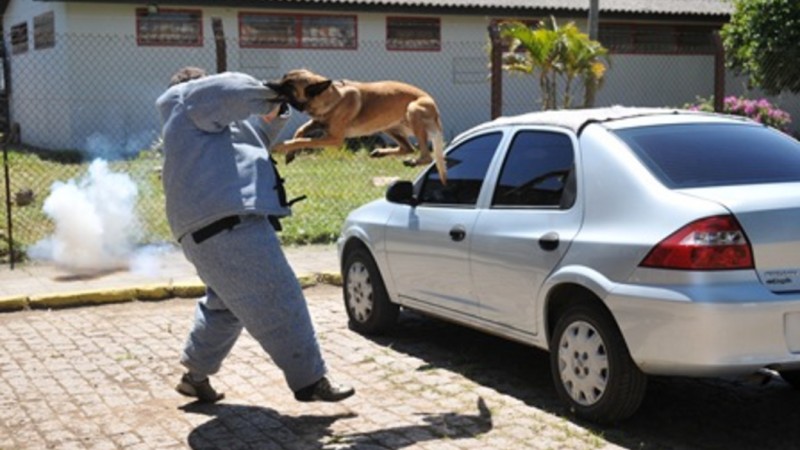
96,89
38,82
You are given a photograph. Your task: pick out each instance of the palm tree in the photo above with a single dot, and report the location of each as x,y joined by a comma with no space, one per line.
563,53
538,52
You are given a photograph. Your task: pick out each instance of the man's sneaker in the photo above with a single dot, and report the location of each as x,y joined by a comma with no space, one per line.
201,390
324,391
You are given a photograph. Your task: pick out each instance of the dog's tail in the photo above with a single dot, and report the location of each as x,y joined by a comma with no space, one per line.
435,134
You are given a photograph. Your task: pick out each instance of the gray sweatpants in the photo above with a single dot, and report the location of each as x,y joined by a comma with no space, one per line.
250,284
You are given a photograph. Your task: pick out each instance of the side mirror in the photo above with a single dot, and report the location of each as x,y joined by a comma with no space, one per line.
401,192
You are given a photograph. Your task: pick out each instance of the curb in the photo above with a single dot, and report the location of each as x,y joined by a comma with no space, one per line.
150,292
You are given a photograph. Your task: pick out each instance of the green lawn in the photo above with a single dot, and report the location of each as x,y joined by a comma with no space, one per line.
335,182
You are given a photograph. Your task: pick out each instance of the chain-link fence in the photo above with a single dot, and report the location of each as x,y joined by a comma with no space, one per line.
93,97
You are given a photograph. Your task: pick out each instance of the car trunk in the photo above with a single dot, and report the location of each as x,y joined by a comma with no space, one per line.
770,217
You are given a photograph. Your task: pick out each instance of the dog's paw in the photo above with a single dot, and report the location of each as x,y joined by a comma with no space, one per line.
290,157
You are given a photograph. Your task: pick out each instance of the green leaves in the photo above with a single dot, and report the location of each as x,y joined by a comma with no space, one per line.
761,41
558,56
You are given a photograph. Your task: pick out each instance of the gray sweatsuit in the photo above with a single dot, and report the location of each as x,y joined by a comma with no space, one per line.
217,166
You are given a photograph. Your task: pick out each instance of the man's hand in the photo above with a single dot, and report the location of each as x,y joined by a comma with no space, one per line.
270,116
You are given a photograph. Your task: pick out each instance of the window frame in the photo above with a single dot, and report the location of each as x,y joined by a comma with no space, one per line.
750,172
437,21
20,39
635,29
44,31
567,198
197,41
298,35
426,181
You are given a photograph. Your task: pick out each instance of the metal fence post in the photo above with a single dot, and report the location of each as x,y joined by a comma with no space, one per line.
719,73
219,41
496,70
8,204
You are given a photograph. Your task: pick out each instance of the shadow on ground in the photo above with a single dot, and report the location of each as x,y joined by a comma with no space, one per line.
677,413
237,426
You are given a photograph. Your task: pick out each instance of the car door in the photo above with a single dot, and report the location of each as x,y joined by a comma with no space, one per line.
529,224
427,245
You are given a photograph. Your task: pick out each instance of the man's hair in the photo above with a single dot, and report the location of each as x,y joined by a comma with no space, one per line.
185,74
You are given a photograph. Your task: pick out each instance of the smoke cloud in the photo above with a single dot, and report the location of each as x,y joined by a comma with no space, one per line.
96,226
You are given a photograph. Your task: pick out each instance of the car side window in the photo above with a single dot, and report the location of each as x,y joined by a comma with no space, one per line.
467,165
537,172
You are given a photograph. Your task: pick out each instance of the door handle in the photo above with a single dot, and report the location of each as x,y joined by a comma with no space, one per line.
458,233
549,241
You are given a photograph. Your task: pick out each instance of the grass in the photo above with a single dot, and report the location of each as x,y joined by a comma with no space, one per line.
335,182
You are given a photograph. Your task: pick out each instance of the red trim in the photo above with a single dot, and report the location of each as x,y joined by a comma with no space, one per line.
634,30
298,30
142,12
412,19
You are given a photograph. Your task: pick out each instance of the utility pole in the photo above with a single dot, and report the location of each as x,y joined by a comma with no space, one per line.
594,19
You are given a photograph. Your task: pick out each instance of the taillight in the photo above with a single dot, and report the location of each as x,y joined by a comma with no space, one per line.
713,243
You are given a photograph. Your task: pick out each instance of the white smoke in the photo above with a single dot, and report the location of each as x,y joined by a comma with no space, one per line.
96,226
100,146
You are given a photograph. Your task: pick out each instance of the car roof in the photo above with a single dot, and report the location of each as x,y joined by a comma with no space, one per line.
577,119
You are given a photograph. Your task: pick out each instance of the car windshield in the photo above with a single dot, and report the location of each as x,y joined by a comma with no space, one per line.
700,155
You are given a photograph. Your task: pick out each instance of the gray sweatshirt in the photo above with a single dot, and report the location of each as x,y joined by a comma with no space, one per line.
216,159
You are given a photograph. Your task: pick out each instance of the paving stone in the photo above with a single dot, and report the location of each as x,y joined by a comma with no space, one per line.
103,377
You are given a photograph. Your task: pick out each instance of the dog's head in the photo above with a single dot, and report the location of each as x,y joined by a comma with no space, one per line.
300,88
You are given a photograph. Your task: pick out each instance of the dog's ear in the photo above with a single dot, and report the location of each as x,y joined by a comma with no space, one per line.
313,90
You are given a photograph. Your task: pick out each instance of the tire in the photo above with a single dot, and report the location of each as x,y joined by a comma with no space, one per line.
792,377
591,367
368,307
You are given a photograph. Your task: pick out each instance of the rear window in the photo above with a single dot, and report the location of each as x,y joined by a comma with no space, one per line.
699,155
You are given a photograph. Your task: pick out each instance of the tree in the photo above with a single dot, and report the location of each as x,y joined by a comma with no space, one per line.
761,42
555,54
581,58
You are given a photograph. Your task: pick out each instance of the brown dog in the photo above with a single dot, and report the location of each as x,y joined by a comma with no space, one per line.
346,109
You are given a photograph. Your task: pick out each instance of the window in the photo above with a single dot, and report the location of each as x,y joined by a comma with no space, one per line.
183,28
19,38
44,31
260,30
646,38
699,155
466,168
413,33
536,171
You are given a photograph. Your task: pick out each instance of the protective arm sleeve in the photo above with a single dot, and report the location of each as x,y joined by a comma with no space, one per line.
217,100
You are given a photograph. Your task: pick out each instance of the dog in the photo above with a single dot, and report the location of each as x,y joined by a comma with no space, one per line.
348,109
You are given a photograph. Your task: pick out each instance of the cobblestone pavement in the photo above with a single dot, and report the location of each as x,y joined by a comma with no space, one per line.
102,377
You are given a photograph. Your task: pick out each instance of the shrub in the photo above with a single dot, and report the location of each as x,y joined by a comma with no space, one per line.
760,110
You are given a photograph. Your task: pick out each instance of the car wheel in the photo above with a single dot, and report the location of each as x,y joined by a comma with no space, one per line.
791,376
591,367
368,307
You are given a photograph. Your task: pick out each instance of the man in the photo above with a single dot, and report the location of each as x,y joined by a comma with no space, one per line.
223,199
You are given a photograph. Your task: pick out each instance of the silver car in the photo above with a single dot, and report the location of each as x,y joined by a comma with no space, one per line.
626,241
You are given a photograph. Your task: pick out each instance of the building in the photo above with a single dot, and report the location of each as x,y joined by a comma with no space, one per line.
85,74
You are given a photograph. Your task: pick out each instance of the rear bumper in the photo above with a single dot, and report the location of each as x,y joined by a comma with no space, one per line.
688,338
